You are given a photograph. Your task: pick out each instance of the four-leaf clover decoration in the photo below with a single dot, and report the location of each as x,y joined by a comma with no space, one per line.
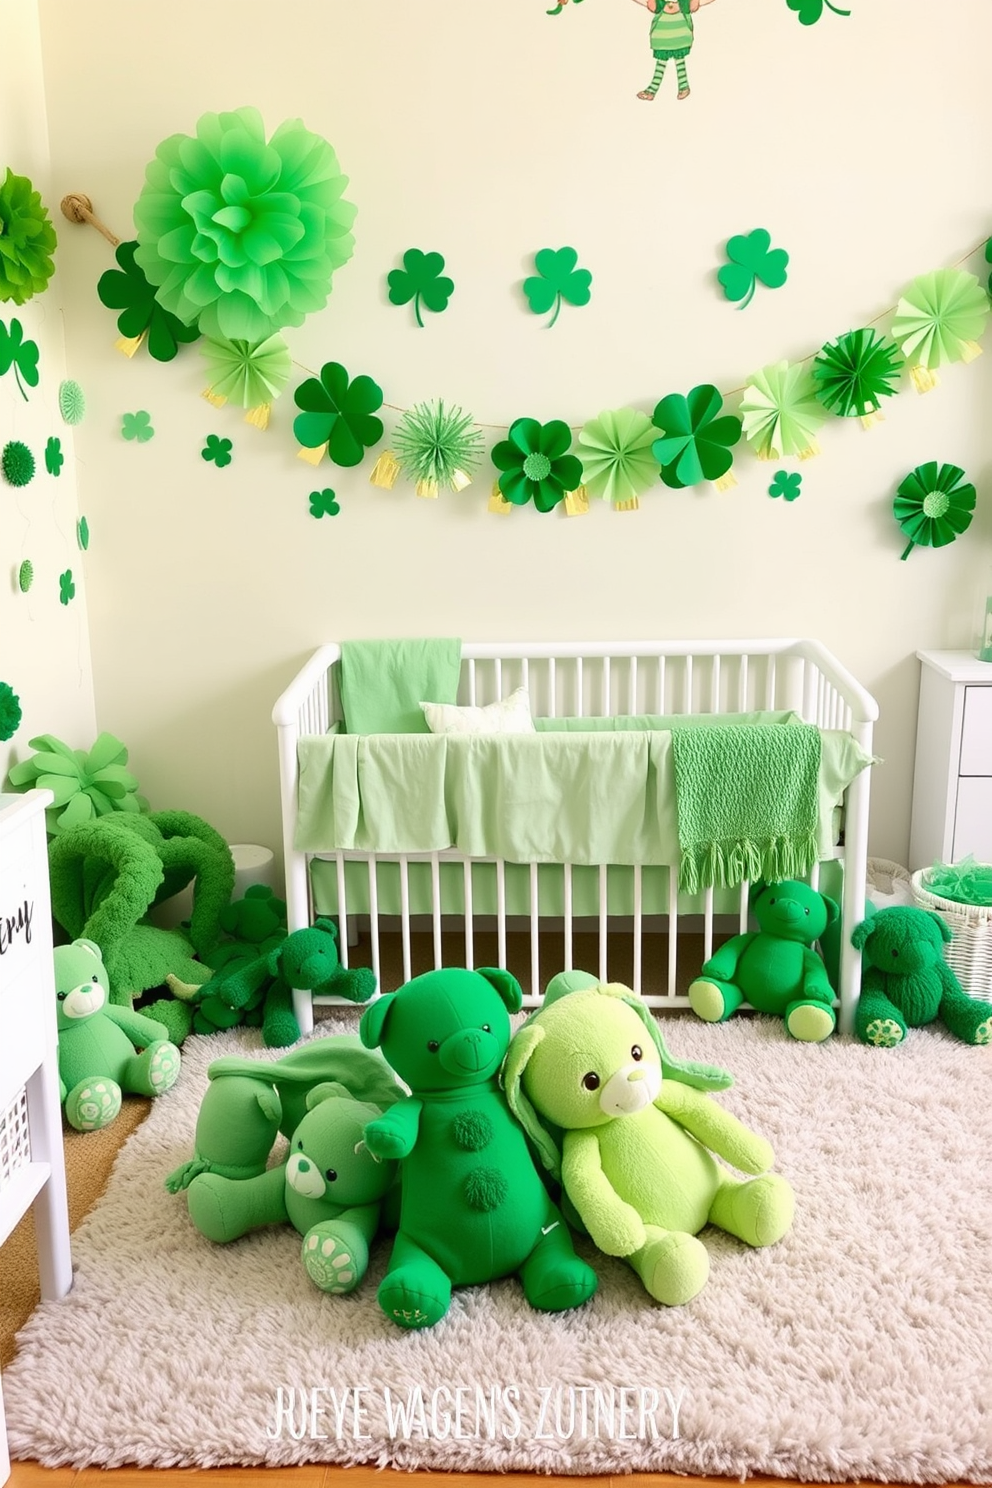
67,589
420,280
218,450
20,354
752,257
340,413
535,462
695,443
137,426
324,503
54,458
810,11
786,483
126,289
557,279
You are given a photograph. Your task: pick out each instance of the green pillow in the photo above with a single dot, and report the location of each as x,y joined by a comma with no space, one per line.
656,723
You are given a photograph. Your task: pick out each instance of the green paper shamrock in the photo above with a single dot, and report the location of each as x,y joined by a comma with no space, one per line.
752,257
933,505
695,443
27,240
128,290
10,712
83,534
218,450
20,354
339,413
17,463
786,483
810,11
421,281
854,372
54,458
72,402
557,279
25,576
85,785
67,589
323,503
535,462
137,426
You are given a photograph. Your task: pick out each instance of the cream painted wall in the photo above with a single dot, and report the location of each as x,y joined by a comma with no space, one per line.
44,645
486,132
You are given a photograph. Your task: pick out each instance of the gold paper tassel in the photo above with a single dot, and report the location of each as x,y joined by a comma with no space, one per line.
726,482
214,398
385,470
577,502
923,379
869,420
632,505
811,452
460,480
129,344
312,456
498,502
427,488
258,417
970,350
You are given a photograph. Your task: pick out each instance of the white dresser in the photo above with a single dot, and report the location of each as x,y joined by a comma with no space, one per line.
32,1168
952,786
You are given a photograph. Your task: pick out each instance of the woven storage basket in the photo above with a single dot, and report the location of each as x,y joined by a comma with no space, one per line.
969,954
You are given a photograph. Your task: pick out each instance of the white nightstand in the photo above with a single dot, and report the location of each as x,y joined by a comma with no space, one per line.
952,787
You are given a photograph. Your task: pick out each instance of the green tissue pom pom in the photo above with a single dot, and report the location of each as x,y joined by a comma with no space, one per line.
17,463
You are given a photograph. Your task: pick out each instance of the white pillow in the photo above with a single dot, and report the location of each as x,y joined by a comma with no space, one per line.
511,715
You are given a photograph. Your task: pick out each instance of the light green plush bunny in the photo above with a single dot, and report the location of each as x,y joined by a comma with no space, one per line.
635,1136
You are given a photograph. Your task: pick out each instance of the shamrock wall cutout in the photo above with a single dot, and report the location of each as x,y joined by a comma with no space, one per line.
126,289
324,503
20,354
54,458
786,483
217,450
752,258
420,280
810,11
67,588
557,279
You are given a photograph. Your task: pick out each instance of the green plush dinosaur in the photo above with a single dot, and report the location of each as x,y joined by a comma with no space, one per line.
103,1050
637,1136
774,968
906,982
473,1206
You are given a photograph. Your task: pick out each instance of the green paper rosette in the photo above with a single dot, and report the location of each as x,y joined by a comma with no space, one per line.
617,460
941,318
934,505
249,374
780,412
855,372
27,240
437,447
535,464
696,440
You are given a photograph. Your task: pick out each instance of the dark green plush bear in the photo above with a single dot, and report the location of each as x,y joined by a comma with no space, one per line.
906,981
774,968
473,1207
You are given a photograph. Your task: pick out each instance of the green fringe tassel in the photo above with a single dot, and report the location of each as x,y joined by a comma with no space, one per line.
728,864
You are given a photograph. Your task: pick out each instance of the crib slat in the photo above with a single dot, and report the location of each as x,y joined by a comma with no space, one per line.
436,909
742,685
715,685
632,686
661,684
770,683
688,686
501,913
579,689
535,944
469,925
342,912
603,901
708,922
638,928
552,689
567,871
471,683
742,908
607,706
374,919
405,915
673,934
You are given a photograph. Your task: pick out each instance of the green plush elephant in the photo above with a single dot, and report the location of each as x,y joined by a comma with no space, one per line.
636,1136
103,1050
774,969
906,982
473,1206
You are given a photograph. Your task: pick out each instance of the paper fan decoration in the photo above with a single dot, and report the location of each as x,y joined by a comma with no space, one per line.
855,372
934,505
695,441
437,447
142,318
535,464
72,402
10,712
941,318
241,235
27,240
617,461
780,412
251,375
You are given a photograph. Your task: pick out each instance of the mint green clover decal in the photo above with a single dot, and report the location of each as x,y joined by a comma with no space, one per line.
218,450
323,503
67,589
420,280
340,413
557,279
752,257
810,11
83,534
786,483
20,354
137,426
54,458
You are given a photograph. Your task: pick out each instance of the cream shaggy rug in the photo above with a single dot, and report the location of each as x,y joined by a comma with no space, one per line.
858,1348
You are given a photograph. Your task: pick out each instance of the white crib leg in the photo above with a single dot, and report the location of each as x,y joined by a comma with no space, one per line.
50,1208
303,1009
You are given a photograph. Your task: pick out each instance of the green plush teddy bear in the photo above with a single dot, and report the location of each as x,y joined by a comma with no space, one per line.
103,1050
635,1136
774,968
473,1206
906,982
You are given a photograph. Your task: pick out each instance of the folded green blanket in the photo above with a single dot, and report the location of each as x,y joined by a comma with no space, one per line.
747,803
383,683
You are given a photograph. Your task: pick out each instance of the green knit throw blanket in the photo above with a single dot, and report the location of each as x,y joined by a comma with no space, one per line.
747,803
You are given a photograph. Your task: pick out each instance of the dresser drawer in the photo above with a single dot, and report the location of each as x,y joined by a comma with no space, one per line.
976,732
973,819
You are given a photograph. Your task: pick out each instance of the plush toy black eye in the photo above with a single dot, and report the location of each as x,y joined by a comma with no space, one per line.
637,1052
591,1080
330,1175
895,955
486,1028
433,1045
61,996
771,901
806,910
299,1145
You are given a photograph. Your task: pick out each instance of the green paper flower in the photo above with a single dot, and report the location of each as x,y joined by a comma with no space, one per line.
27,241
780,411
83,534
218,450
324,503
695,443
17,463
421,281
20,354
72,402
247,374
810,11
615,451
137,426
752,258
941,318
338,413
128,290
535,462
10,712
85,785
786,483
856,371
557,279
67,589
240,235
25,576
438,447
54,458
934,505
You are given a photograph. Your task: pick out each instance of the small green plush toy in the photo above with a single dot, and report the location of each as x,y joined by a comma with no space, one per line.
636,1136
906,982
774,968
103,1050
473,1206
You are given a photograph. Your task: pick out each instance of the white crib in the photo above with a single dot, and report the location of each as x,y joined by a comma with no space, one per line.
586,679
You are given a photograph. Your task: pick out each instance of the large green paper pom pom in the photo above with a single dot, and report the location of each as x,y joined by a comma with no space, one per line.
27,241
10,712
17,463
